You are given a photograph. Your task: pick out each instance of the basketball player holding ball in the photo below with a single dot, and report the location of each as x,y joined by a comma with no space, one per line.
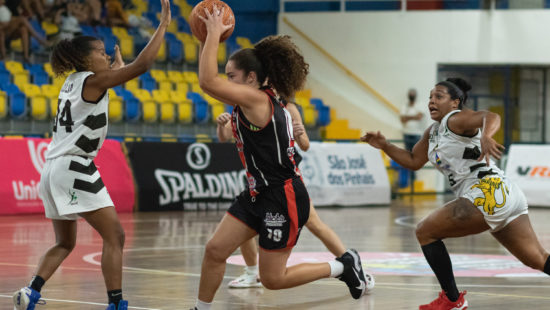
276,204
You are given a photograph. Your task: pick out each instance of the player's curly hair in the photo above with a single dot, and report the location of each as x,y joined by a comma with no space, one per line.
277,59
458,89
72,54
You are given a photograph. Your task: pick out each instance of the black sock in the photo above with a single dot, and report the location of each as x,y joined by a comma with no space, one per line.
37,282
547,266
437,256
115,296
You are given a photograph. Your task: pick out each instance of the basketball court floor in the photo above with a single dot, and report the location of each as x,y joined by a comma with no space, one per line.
163,256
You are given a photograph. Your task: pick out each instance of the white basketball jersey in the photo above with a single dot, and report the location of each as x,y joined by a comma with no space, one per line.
80,126
456,156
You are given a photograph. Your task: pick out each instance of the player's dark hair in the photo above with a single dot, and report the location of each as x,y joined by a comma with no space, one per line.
277,59
72,54
458,89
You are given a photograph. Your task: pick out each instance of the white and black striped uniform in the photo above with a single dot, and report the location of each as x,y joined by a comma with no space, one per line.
70,182
500,200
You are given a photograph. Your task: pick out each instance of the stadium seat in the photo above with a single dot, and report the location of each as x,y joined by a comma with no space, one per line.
159,75
150,113
222,53
133,109
200,107
182,88
191,77
185,111
3,105
161,56
132,84
161,96
115,109
5,77
175,51
14,66
21,78
48,69
217,109
175,76
176,96
167,113
165,85
147,81
17,105
310,115
39,107
142,94
50,28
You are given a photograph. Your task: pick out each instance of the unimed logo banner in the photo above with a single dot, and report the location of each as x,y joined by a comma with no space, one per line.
22,161
528,167
186,176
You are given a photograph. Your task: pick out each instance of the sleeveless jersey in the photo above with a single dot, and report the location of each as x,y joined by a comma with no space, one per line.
456,156
80,126
267,153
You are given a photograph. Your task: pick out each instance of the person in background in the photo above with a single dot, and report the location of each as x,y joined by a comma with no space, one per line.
413,127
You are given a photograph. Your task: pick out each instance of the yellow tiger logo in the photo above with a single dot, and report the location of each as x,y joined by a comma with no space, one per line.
488,186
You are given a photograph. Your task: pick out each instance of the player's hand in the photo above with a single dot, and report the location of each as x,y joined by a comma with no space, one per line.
298,128
489,147
214,21
376,139
118,63
223,119
165,14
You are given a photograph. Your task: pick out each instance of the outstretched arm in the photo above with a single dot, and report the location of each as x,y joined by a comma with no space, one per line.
412,160
119,74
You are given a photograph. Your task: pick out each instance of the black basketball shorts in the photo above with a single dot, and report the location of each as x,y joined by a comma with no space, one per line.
277,213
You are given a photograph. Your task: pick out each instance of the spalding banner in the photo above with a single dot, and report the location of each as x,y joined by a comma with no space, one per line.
184,176
528,167
346,174
21,163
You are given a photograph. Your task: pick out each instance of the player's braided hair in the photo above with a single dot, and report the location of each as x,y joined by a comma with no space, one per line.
72,54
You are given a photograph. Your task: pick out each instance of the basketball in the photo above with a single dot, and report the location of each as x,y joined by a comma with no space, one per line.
198,28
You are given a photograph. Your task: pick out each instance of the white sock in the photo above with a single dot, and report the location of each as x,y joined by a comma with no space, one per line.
251,269
201,305
336,268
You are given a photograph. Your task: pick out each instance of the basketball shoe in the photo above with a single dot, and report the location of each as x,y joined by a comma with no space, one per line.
353,274
246,280
26,298
122,305
443,303
369,279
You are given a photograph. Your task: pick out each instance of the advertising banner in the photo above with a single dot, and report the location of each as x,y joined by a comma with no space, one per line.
185,176
22,160
528,167
346,174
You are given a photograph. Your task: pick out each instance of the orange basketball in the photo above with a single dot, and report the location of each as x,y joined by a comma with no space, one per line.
198,28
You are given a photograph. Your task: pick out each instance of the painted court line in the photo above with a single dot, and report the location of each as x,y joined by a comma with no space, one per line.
82,302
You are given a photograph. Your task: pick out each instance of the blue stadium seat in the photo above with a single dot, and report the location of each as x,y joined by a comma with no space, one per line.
18,105
147,81
175,50
4,76
152,16
88,30
183,26
200,107
38,28
40,78
110,42
133,109
323,111
103,31
228,108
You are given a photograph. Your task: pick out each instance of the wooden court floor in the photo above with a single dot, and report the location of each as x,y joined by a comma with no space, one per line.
163,255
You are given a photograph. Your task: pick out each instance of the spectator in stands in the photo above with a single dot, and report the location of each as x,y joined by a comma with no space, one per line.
411,118
116,16
14,26
276,203
68,24
83,113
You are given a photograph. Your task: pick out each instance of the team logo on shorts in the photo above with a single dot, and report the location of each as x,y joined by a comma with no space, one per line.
489,187
276,220
74,198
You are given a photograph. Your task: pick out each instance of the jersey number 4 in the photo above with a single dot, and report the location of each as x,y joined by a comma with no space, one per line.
64,116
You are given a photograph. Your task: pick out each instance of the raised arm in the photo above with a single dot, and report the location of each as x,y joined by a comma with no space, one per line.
300,134
412,160
224,131
209,80
468,122
104,80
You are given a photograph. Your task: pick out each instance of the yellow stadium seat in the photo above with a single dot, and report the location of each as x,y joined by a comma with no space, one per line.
191,76
182,88
217,110
53,106
112,94
167,114
115,109
244,42
185,9
175,76
222,53
21,78
49,90
191,52
16,45
48,69
185,111
310,115
161,96
58,81
120,32
14,66
132,84
50,28
31,90
142,94
304,93
161,56
39,107
159,75
150,113
185,37
196,88
126,47
176,96
165,85
3,105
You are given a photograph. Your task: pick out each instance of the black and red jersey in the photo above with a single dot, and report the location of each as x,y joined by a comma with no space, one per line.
267,152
